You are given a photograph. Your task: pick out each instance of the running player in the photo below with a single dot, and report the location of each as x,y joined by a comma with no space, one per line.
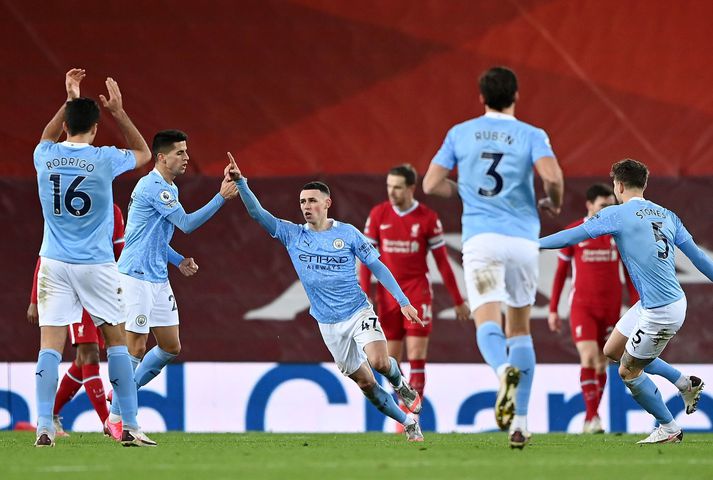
647,236
78,268
495,154
595,302
404,231
324,252
87,339
154,212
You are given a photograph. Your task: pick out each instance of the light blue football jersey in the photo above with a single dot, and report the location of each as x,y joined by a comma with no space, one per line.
74,184
495,154
148,231
326,265
646,235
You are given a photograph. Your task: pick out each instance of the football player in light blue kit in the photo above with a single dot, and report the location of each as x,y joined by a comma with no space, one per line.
495,155
324,252
646,235
154,212
78,269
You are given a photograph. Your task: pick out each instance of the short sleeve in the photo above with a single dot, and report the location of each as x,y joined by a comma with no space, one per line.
40,149
682,235
541,146
122,160
286,231
446,155
362,248
606,222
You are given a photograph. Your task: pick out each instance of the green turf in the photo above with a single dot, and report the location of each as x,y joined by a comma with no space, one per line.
358,456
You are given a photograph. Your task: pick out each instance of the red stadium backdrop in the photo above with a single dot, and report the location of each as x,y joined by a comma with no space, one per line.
342,91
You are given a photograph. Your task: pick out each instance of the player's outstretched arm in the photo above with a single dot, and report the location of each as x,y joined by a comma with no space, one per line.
698,257
72,79
384,276
553,182
267,220
188,222
564,238
436,182
134,141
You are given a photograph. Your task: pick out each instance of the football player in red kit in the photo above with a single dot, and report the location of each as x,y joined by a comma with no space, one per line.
405,230
595,302
88,340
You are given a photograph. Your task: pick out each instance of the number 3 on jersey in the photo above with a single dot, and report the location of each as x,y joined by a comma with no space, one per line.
70,195
495,157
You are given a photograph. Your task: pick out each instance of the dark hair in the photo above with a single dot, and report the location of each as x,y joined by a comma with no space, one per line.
80,115
598,190
631,173
498,87
316,185
163,141
406,171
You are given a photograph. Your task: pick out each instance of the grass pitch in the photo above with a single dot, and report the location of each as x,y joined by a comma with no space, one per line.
355,456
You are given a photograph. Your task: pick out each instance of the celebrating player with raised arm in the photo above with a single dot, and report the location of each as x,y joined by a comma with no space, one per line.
78,268
647,235
404,231
324,252
495,155
87,338
154,212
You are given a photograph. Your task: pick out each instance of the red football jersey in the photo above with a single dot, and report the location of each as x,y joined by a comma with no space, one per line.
404,239
595,272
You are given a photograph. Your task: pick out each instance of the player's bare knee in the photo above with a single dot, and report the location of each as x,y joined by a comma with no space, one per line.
381,364
137,351
366,385
173,349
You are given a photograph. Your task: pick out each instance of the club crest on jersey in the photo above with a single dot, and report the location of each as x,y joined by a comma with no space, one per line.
141,320
338,243
414,229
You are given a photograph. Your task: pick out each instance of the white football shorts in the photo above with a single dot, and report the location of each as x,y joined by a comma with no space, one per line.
148,305
650,329
63,289
346,340
499,268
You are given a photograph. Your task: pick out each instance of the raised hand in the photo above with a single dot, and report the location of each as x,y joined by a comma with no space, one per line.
72,80
231,170
411,314
114,104
228,189
188,267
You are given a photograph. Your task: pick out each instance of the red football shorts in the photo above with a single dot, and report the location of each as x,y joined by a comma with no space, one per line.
592,322
85,332
396,326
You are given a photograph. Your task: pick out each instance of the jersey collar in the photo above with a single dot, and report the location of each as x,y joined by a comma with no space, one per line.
406,212
499,116
335,224
74,145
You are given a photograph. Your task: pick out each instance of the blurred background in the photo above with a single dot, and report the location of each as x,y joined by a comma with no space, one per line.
342,91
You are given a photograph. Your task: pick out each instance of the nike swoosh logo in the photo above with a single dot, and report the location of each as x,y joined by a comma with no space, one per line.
384,227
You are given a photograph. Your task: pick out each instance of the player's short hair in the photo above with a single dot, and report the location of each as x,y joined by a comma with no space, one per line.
598,190
407,171
80,115
163,141
498,85
317,185
630,172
